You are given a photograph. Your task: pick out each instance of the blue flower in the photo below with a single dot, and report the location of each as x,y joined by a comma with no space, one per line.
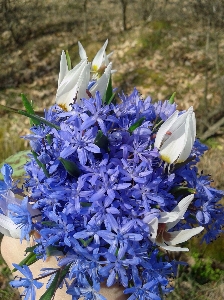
28,282
20,215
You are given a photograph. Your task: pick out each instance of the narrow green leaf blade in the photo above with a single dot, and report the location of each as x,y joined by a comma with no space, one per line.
52,288
136,124
27,104
68,60
40,164
109,92
171,100
30,259
185,189
70,167
38,119
29,108
87,242
101,141
59,277
111,98
31,116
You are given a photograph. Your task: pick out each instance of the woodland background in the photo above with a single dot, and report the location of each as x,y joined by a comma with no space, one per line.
160,47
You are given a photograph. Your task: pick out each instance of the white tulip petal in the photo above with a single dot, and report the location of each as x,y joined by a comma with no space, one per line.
180,210
82,51
63,68
78,91
83,83
153,227
66,99
172,248
172,147
102,82
183,205
164,128
189,138
70,79
177,237
176,136
67,92
110,54
193,124
99,58
9,228
166,217
179,121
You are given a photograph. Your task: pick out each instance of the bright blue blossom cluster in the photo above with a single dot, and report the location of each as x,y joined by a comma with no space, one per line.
93,183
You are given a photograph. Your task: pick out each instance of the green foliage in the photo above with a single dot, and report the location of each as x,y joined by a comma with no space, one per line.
171,100
136,124
109,95
70,167
40,164
29,108
101,141
30,259
60,275
68,60
153,36
212,143
35,118
203,271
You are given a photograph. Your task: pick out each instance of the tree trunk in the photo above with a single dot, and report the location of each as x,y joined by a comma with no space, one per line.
124,4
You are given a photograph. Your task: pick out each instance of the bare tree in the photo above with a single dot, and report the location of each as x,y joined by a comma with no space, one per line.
124,4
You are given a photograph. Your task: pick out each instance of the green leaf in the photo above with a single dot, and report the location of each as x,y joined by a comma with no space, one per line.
49,138
70,167
54,251
29,108
179,165
49,223
37,118
85,204
101,141
40,164
17,162
30,249
34,117
108,96
30,259
111,98
87,242
171,100
136,124
50,292
68,60
184,189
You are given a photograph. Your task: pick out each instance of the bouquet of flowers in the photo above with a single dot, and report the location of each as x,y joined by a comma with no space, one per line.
110,187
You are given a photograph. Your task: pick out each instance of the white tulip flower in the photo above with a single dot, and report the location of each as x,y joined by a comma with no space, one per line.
176,136
9,228
159,227
102,83
73,84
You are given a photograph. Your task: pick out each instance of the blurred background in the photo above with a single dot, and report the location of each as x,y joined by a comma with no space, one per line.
160,47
